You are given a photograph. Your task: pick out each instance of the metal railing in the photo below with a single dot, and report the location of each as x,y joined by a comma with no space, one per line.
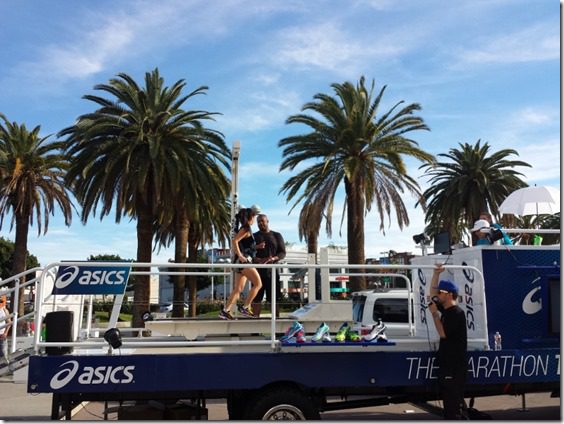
195,269
14,315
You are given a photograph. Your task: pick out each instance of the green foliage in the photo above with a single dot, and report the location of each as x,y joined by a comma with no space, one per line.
352,143
137,152
471,181
7,257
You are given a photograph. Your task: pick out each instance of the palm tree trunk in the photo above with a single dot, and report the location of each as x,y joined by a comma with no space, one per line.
20,258
355,232
192,281
142,289
312,243
182,227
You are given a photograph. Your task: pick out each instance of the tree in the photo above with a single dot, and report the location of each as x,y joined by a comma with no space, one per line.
309,224
32,171
7,258
470,182
132,152
208,218
352,145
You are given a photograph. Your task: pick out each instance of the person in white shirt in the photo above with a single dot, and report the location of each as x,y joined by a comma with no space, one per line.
4,320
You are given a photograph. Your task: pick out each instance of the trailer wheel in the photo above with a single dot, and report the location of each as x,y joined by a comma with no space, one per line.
281,404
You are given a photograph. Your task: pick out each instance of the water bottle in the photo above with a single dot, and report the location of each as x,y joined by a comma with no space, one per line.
497,341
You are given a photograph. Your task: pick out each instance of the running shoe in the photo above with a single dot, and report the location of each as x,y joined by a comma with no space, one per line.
378,330
225,315
246,311
352,336
292,331
321,334
300,337
342,332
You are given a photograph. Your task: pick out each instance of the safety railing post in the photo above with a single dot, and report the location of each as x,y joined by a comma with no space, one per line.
15,312
273,305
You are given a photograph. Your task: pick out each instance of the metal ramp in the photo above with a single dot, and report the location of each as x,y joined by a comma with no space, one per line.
18,361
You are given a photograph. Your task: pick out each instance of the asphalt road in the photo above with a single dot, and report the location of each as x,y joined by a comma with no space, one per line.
17,405
539,407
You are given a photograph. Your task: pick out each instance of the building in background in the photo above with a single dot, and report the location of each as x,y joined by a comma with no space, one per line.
294,278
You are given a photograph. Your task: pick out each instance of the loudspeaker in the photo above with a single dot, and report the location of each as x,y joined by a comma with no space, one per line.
58,327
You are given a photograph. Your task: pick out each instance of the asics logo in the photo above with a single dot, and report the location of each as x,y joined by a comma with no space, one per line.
66,277
529,306
62,378
92,375
89,278
468,273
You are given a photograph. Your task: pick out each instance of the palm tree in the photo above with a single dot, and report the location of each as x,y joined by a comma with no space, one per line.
472,181
350,143
309,225
193,226
32,174
133,151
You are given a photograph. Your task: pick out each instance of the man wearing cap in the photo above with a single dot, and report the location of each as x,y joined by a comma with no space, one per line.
4,320
450,322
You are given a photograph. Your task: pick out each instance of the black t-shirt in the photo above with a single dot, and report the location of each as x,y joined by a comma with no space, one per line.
452,348
274,244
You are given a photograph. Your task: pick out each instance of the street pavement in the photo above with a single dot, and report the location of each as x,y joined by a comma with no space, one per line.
17,405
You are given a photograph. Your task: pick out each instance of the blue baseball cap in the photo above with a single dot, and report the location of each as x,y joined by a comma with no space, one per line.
448,286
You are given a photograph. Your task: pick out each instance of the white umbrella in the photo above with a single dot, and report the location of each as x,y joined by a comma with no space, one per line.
532,201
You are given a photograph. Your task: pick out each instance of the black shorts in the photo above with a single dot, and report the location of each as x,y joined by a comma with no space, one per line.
236,260
266,279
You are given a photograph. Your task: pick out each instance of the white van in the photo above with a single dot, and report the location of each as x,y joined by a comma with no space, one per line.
390,305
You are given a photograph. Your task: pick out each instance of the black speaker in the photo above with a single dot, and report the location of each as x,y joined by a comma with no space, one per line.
58,328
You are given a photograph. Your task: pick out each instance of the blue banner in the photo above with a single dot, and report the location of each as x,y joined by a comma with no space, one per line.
215,371
91,279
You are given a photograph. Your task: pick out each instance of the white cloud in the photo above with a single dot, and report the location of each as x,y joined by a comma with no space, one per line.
258,110
534,116
530,131
102,41
535,43
328,47
544,156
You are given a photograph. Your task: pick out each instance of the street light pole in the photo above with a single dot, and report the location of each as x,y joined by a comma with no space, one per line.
235,152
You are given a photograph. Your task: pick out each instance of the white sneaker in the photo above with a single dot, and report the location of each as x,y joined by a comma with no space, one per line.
377,332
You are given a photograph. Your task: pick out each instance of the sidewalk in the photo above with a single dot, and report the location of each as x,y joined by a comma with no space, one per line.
18,405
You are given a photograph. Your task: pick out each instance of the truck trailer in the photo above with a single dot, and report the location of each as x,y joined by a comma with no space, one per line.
512,290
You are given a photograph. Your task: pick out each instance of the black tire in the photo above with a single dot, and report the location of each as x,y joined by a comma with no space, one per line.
281,404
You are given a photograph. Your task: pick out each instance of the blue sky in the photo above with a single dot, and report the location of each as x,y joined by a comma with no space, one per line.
486,70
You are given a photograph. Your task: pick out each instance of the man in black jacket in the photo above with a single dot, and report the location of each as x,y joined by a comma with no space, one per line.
270,249
450,322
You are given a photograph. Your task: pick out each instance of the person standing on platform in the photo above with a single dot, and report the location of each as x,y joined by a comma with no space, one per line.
450,322
480,231
7,323
270,249
244,249
505,239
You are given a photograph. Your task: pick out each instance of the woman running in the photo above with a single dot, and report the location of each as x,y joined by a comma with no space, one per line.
244,248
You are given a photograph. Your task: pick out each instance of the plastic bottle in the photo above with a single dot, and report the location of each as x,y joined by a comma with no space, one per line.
497,341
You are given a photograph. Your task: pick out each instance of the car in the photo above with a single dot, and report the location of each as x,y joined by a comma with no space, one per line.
390,305
167,307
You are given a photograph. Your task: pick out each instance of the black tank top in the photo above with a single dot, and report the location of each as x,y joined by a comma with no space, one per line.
247,246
